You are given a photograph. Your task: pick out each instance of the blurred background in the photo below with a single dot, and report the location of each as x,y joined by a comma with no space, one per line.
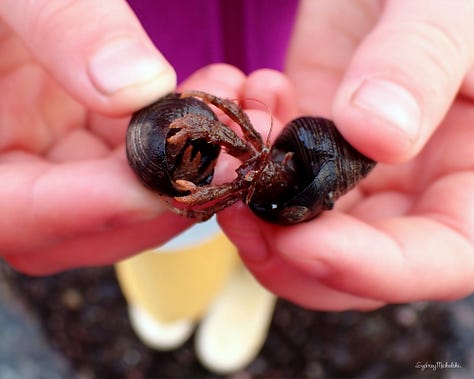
75,325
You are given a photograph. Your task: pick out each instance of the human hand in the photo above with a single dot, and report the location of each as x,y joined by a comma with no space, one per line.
67,195
406,233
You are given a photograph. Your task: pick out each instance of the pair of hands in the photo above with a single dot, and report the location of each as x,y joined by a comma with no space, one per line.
396,77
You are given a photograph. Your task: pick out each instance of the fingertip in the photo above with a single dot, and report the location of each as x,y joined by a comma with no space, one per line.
379,118
403,78
273,91
128,74
110,66
220,79
244,230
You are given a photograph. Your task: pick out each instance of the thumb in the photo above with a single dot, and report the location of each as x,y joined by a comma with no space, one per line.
404,77
97,50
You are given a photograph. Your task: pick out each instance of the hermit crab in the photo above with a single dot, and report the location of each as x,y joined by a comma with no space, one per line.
173,145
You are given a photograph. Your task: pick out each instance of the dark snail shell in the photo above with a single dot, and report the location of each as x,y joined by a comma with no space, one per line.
308,167
147,150
320,165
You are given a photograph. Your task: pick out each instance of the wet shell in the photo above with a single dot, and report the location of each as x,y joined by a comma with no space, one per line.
149,154
321,166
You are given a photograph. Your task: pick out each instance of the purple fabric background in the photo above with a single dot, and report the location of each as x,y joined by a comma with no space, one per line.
249,34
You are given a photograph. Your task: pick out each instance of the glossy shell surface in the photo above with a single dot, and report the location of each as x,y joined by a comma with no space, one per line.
325,167
149,155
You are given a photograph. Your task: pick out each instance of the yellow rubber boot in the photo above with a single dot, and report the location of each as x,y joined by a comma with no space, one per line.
169,288
235,327
198,277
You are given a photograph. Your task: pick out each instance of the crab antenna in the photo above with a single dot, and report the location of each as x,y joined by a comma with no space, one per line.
266,109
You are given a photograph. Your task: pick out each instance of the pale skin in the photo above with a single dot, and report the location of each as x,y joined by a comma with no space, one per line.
405,234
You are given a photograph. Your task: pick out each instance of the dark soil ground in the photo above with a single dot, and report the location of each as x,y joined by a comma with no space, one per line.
75,325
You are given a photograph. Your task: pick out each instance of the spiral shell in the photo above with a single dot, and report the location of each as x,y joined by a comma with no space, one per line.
322,166
158,165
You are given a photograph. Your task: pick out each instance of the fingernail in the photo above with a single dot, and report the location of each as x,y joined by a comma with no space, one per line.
124,63
389,102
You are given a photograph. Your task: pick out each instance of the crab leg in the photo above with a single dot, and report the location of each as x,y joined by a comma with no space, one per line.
235,113
208,211
192,126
